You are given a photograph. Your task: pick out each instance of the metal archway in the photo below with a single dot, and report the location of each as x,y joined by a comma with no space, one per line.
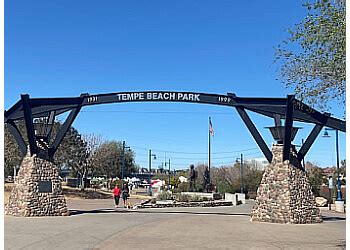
289,109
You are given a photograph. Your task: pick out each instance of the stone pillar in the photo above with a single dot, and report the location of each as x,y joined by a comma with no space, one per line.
37,190
284,194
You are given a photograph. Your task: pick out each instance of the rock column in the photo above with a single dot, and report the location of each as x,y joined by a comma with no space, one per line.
37,190
284,194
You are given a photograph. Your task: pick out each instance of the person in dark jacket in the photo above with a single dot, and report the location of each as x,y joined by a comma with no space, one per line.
125,194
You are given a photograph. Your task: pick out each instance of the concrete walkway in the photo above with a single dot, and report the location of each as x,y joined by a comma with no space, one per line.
94,224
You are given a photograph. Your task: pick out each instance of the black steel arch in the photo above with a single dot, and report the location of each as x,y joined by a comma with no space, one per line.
289,109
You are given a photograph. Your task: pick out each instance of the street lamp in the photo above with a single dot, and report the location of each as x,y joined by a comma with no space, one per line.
337,153
150,167
123,162
168,174
241,172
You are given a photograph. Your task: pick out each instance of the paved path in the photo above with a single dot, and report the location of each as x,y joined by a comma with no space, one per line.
95,225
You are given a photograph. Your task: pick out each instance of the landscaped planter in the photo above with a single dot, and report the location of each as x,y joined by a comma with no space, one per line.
186,204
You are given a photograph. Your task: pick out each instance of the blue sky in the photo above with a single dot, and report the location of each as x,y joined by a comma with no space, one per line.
64,48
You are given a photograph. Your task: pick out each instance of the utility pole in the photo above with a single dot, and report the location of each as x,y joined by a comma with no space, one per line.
210,132
168,174
150,168
241,170
123,162
337,155
338,171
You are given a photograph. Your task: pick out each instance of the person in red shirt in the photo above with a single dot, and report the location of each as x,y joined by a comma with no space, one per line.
116,195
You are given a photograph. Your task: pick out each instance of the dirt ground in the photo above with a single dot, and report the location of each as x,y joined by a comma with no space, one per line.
69,193
75,194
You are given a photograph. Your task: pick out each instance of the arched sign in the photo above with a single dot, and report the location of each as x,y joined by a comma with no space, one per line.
158,96
289,109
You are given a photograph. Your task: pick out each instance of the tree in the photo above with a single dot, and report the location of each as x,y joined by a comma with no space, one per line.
313,57
200,169
252,179
13,156
73,152
92,142
70,152
108,160
316,177
226,178
174,181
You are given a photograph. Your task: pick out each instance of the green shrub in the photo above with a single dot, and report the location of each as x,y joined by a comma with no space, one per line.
182,197
195,198
184,187
164,196
189,198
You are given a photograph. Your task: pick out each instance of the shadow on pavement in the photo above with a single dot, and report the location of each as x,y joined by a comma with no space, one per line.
331,218
121,210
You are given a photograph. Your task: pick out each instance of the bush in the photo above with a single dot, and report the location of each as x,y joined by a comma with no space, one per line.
225,188
190,198
184,187
164,196
195,198
182,197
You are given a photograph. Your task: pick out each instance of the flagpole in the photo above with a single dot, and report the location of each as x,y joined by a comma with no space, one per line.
209,150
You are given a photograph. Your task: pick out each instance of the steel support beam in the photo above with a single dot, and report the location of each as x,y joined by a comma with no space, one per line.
255,133
50,123
264,106
15,108
288,124
288,108
64,129
17,135
28,119
309,141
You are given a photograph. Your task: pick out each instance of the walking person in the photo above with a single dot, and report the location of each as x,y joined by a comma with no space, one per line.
125,194
116,195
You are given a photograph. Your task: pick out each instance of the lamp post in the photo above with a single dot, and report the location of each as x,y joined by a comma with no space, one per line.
241,172
337,153
123,162
150,167
168,174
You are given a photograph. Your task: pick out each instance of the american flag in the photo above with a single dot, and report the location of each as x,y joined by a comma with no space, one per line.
211,130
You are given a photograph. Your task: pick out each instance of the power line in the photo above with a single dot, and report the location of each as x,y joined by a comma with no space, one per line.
194,153
200,158
184,164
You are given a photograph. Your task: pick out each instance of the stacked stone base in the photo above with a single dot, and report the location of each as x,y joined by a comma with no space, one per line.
284,194
27,199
